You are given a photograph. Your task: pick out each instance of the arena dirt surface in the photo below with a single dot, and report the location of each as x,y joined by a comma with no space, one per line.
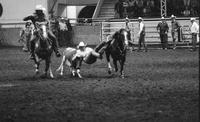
160,86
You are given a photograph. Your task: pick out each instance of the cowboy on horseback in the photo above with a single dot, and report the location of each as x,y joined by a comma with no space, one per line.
39,17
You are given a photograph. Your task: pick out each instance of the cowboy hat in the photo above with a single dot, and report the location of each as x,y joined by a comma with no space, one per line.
40,7
127,19
140,18
172,16
82,44
192,19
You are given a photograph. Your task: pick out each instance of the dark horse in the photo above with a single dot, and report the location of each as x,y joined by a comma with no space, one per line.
43,49
117,50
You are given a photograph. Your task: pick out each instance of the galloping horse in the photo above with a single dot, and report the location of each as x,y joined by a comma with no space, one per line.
43,49
117,50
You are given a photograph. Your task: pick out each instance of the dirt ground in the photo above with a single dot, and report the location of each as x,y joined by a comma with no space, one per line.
160,86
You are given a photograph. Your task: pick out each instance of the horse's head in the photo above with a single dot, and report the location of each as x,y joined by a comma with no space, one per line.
42,29
120,41
43,40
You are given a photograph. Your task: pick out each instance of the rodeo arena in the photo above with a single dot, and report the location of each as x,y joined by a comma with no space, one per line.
99,60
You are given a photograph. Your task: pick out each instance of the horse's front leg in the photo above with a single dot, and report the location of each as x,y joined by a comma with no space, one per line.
37,64
47,65
115,65
122,68
108,60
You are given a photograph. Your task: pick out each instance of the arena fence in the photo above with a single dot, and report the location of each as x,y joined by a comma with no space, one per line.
95,30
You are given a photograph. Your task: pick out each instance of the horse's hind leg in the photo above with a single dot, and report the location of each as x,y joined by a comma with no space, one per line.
108,60
115,64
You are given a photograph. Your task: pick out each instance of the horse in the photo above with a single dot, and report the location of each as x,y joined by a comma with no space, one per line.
43,49
117,50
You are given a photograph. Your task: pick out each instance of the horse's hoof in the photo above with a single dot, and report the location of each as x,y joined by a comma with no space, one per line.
37,72
73,74
51,76
43,76
109,72
79,75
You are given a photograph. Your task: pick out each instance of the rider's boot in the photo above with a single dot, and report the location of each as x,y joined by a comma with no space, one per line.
55,48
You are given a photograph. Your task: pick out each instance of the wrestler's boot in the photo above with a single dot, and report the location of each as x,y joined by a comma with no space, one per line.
102,50
98,47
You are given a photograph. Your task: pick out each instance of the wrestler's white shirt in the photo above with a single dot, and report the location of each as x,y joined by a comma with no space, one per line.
84,54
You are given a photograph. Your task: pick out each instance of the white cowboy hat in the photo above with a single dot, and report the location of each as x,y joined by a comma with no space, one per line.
162,18
140,18
40,7
192,19
82,44
172,16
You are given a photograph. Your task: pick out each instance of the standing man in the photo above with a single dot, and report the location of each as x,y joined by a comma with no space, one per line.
163,29
194,30
131,44
62,32
141,35
25,36
174,31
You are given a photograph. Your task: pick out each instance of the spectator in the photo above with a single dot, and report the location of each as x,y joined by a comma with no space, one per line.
140,5
163,29
194,31
186,12
69,33
175,29
25,36
62,32
119,9
125,6
141,35
54,25
129,32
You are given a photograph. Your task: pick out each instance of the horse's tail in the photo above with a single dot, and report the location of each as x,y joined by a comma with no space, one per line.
62,63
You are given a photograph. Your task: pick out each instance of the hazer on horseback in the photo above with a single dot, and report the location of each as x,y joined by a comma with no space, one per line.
116,48
43,41
37,18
